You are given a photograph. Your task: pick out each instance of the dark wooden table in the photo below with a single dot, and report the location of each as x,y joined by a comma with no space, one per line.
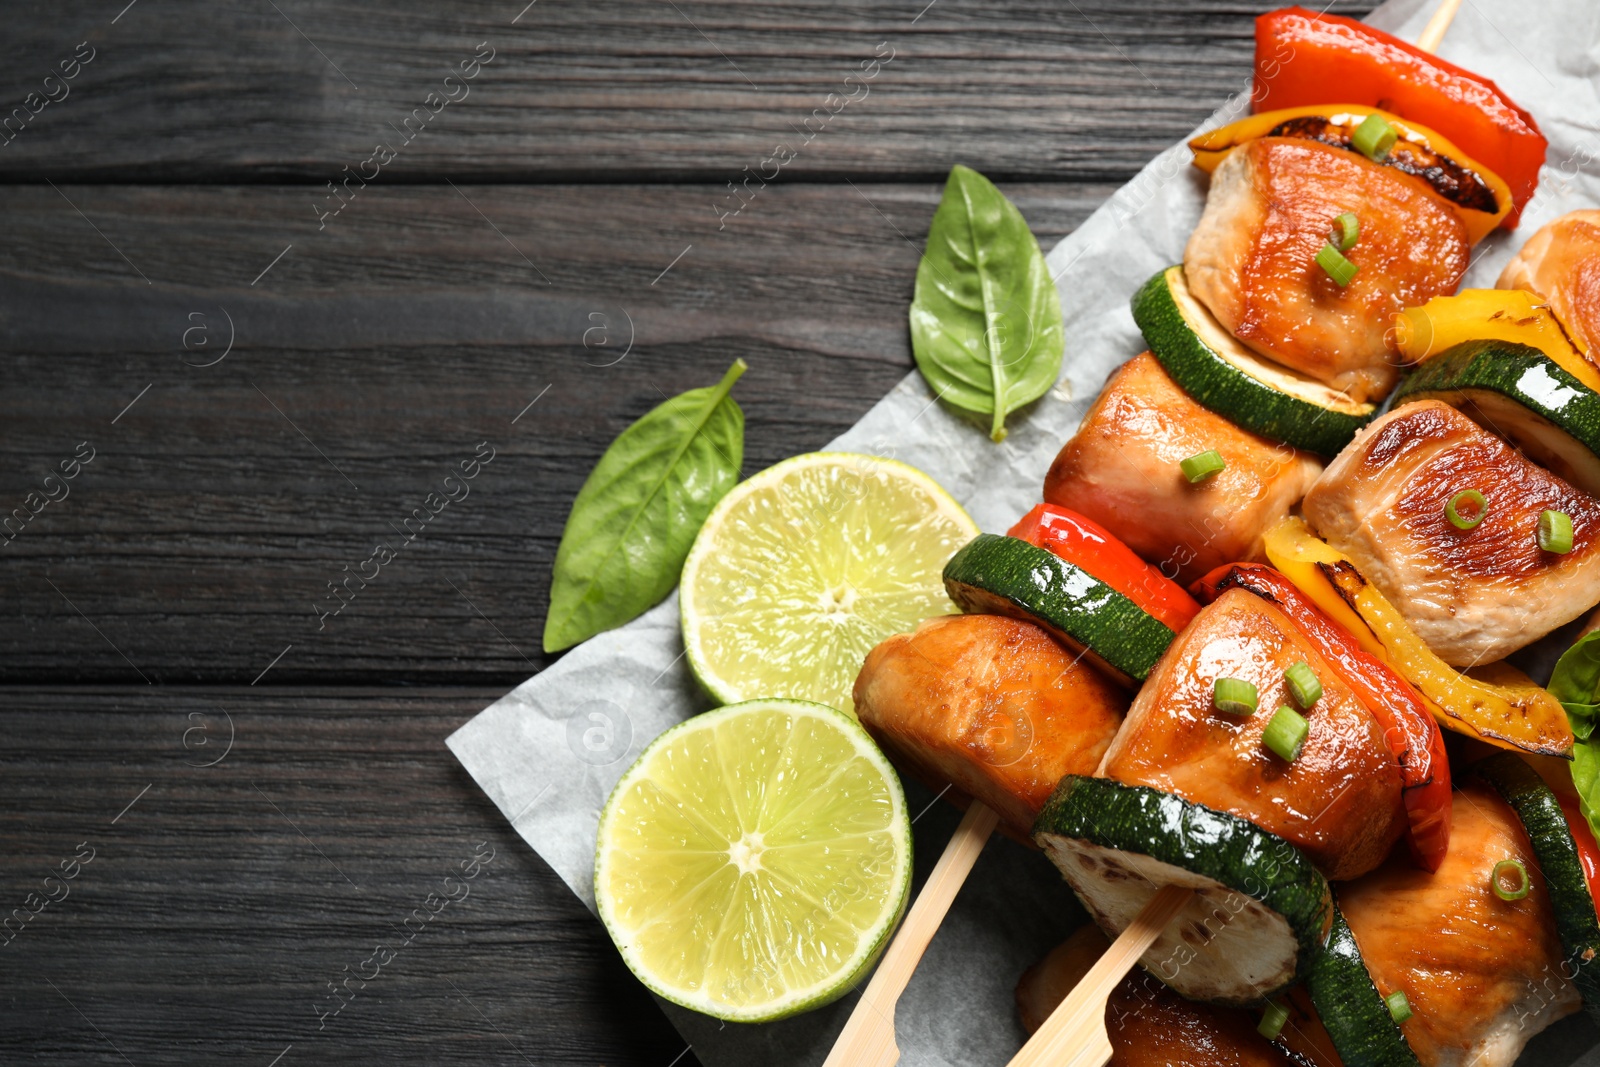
266,387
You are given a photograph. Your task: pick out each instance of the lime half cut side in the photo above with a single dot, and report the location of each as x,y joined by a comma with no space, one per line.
754,861
800,570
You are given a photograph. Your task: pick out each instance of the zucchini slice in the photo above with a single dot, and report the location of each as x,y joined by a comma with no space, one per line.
1227,377
1350,1007
1576,923
1523,395
1261,910
994,575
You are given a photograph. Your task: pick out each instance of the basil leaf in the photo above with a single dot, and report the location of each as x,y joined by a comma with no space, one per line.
636,516
1576,683
986,318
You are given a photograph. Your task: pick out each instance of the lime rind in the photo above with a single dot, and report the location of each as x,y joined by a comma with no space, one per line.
831,882
803,568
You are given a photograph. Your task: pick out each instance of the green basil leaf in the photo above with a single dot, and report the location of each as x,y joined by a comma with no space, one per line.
636,516
1576,683
986,318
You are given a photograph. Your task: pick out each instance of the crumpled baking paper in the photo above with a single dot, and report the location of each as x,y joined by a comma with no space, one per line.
549,752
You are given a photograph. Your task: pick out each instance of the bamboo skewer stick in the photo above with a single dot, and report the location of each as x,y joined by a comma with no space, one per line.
1075,1033
867,1039
1438,26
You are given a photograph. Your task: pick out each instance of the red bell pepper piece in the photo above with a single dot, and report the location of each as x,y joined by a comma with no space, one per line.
1082,541
1583,837
1408,726
1304,58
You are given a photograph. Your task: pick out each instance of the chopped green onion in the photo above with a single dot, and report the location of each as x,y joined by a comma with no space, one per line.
1479,509
1518,888
1272,1020
1234,696
1286,733
1341,270
1374,137
1202,465
1399,1006
1346,231
1303,684
1555,531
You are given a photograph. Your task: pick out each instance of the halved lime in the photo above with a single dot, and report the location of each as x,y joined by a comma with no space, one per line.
755,859
803,568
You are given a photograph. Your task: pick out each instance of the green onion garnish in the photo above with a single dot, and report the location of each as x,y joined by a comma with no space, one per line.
1341,270
1303,684
1374,137
1555,531
1202,465
1519,885
1234,696
1286,733
1399,1006
1272,1020
1476,506
1346,231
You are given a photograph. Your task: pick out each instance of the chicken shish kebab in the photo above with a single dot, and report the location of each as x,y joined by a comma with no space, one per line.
1293,719
1561,264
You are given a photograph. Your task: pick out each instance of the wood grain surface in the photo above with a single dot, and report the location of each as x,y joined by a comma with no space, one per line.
620,90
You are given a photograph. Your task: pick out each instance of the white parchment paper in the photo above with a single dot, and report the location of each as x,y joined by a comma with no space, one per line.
549,752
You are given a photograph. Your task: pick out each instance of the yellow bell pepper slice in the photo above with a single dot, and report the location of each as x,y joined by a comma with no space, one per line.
1497,704
1210,148
1514,315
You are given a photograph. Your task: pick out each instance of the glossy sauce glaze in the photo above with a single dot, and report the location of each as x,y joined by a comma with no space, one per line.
1339,801
1121,469
1482,975
1473,595
1252,258
991,704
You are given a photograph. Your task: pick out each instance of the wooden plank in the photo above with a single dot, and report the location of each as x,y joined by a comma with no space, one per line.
221,900
618,90
369,360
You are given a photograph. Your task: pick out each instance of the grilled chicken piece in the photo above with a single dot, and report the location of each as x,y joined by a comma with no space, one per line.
1562,264
1121,469
1151,1026
1482,975
1339,801
990,704
1473,595
1252,259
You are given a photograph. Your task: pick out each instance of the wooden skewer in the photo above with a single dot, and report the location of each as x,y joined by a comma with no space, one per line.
867,1039
1438,26
1075,1033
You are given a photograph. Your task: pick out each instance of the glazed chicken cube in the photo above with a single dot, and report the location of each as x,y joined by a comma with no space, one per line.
1481,975
1562,264
1474,595
1338,801
1252,258
991,705
1122,469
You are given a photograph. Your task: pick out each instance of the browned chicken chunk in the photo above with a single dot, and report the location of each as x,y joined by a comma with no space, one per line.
1562,264
990,704
1151,1026
1482,975
1252,258
1473,595
1122,469
1339,801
